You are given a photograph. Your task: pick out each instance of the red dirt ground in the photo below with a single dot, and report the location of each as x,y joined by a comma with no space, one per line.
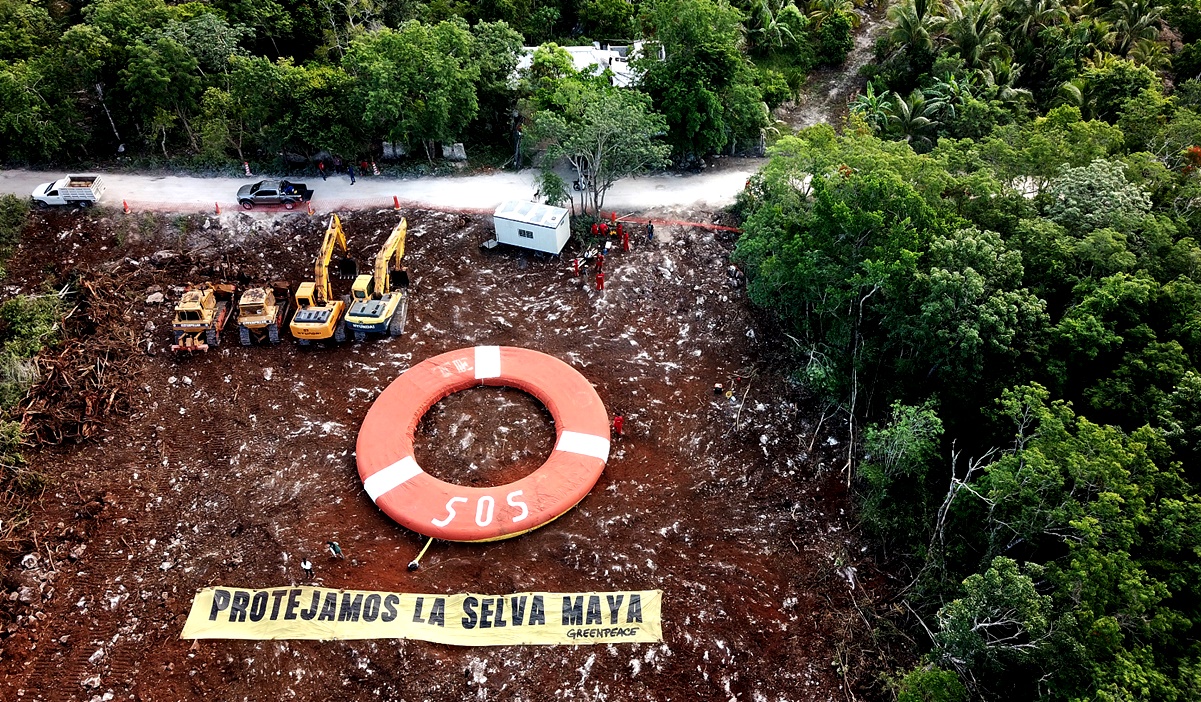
235,464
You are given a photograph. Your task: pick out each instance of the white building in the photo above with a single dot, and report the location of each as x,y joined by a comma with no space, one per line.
595,58
531,225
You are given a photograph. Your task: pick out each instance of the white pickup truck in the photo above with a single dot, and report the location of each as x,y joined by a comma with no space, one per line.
78,190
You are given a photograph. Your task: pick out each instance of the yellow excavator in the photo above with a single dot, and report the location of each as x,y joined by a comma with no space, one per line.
319,315
380,301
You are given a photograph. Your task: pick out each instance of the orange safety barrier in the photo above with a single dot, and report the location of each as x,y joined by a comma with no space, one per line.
426,505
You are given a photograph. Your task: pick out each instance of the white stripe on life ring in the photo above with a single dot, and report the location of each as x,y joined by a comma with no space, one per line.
585,444
391,477
487,362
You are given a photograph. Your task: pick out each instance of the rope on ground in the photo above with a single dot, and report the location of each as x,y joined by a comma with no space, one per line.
416,562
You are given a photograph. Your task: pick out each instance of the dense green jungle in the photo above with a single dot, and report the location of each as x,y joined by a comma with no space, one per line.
988,267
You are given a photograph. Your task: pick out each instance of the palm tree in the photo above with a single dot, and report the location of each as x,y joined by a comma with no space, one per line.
821,10
1134,20
951,92
972,30
914,24
1152,54
1093,33
1033,15
873,108
1073,93
766,26
913,119
1001,77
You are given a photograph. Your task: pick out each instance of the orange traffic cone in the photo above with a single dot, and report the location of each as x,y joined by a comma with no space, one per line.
125,204
218,207
395,202
311,209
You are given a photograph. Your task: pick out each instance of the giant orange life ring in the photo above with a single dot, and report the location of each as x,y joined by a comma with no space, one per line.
429,506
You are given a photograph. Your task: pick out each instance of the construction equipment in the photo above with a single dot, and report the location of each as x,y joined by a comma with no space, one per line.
261,313
319,315
381,300
200,316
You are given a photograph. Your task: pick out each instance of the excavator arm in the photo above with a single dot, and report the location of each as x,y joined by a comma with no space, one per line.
393,247
334,236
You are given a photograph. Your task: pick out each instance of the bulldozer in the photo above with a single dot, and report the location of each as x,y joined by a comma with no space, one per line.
319,315
380,301
261,313
200,316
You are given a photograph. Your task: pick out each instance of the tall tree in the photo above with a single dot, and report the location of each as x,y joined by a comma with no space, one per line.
705,86
416,83
616,135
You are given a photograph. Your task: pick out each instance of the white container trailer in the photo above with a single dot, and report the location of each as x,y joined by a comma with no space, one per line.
79,190
531,225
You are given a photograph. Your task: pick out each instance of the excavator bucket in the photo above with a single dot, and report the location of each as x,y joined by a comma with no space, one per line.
346,269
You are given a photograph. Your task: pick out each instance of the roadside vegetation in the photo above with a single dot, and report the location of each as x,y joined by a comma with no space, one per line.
275,81
28,324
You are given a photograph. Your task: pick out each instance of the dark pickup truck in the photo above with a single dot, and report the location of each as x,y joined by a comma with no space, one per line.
273,192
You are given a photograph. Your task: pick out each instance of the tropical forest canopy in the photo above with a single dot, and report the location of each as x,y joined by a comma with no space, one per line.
209,82
995,271
1016,322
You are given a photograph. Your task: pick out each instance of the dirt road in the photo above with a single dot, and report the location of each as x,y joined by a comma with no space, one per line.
825,96
712,189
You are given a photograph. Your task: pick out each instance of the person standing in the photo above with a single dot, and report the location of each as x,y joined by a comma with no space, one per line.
307,567
650,231
321,169
625,239
618,422
600,280
350,172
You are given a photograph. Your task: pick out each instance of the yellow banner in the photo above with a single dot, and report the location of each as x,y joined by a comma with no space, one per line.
461,620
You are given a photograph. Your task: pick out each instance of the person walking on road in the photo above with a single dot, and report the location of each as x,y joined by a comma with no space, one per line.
335,550
650,232
350,172
321,169
307,566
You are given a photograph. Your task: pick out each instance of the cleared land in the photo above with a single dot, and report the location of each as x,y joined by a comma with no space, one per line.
229,467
